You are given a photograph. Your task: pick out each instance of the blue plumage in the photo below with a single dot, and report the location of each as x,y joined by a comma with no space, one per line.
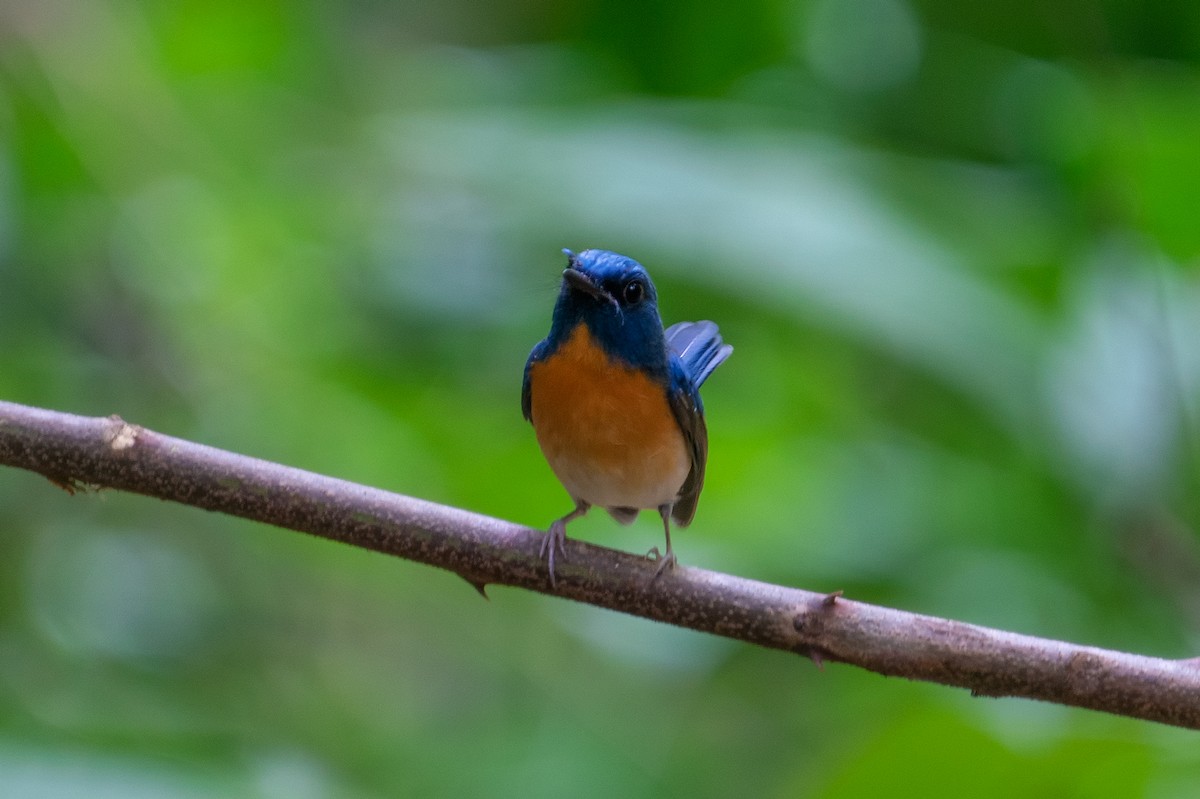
699,348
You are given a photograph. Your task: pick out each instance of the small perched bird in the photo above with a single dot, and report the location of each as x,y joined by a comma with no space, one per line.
615,401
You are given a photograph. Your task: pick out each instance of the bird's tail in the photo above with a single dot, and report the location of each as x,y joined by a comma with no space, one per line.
699,347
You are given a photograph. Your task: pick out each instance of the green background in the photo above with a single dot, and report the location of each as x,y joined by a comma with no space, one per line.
956,247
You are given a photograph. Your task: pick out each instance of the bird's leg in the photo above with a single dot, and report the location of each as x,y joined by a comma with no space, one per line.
556,536
666,561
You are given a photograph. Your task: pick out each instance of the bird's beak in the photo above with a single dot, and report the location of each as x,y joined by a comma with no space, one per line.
581,282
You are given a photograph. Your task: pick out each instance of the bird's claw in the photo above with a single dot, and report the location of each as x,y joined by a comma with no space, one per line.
665,562
554,539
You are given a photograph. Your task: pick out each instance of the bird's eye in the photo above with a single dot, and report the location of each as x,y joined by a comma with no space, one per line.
634,291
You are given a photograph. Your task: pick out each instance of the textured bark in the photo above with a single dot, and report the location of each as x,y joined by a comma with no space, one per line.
79,452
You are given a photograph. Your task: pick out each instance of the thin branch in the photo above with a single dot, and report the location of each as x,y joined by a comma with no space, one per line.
75,451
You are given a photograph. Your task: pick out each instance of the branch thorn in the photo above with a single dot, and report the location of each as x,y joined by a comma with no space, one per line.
479,586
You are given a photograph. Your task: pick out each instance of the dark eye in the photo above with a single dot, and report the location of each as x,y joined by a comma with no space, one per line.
634,291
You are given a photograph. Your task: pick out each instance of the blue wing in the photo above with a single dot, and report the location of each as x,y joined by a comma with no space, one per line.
695,350
539,352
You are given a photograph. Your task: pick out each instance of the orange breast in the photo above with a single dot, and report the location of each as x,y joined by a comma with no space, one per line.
606,429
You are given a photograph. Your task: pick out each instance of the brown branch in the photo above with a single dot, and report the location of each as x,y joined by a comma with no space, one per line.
76,451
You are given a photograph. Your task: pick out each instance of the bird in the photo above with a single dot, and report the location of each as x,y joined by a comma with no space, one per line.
614,399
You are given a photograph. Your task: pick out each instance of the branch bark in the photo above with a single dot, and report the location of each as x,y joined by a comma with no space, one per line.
76,451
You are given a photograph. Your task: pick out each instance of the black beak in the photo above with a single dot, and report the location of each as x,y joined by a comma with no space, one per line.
579,281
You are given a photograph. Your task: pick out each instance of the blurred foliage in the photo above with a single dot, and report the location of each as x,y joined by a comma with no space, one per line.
956,248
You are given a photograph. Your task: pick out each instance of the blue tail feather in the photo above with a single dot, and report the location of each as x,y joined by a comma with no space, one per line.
699,348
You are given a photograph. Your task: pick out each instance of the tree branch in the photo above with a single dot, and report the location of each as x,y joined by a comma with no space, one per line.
76,451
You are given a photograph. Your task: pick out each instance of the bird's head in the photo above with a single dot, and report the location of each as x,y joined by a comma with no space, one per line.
614,296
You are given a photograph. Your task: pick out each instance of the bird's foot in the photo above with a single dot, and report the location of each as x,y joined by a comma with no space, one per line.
665,562
553,540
